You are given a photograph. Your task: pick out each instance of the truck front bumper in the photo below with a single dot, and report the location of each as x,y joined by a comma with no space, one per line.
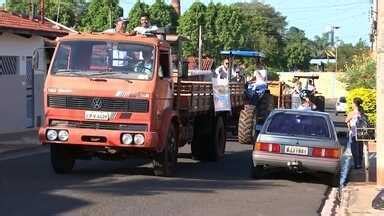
98,137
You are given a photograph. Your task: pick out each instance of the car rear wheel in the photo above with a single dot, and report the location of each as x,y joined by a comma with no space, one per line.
257,172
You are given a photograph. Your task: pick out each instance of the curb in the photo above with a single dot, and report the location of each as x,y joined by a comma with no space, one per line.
330,204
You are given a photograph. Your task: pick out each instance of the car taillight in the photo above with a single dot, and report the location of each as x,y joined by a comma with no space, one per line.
326,152
268,147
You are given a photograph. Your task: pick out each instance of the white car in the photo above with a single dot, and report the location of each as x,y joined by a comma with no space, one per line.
341,105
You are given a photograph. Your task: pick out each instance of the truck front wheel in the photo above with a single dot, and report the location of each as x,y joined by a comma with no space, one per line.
61,159
164,163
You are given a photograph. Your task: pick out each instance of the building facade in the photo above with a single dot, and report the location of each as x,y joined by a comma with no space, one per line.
21,87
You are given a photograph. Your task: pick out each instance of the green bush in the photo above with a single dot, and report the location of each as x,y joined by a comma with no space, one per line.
369,102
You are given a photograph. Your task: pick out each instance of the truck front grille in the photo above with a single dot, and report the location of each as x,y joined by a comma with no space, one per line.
98,103
100,125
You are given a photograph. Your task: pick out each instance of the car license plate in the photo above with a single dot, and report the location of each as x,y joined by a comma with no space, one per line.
96,115
298,150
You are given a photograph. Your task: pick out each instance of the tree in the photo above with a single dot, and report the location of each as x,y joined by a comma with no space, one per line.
189,24
69,11
346,51
19,6
163,14
360,73
265,31
222,28
230,28
298,49
210,39
100,15
319,45
134,15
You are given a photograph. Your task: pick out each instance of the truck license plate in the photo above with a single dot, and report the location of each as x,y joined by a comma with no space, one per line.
298,150
96,115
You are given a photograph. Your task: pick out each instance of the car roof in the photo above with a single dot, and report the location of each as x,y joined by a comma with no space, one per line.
304,112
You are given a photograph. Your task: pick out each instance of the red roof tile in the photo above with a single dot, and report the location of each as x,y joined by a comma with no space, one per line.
14,21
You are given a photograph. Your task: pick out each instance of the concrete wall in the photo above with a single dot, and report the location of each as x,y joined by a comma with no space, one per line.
327,84
13,103
13,106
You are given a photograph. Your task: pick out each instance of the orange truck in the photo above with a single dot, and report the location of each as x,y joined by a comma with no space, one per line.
112,96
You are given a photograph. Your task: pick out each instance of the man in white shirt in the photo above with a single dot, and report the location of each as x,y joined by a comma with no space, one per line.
222,72
120,26
311,86
145,25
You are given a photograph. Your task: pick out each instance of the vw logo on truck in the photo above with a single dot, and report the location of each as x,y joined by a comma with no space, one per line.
97,103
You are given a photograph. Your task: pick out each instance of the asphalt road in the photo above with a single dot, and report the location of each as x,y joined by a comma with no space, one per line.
28,186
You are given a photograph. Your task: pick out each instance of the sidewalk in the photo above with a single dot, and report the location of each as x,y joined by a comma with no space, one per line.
19,141
357,196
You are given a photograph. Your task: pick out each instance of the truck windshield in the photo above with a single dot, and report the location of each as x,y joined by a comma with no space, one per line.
104,59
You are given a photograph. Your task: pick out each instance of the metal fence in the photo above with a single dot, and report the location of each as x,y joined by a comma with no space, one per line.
366,135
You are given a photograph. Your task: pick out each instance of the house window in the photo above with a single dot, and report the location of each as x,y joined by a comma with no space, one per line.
8,65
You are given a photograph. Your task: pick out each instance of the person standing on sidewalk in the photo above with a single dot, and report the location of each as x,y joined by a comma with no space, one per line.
351,120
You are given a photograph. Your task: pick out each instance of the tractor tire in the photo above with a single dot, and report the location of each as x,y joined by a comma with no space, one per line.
164,163
247,121
61,159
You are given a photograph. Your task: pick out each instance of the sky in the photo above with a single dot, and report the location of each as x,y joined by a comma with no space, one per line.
313,16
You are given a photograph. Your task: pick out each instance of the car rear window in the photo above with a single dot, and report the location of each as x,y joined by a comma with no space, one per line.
343,100
298,125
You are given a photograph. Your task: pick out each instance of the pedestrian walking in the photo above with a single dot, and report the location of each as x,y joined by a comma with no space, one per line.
351,120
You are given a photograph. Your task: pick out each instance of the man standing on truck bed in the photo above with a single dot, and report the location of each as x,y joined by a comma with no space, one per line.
222,72
120,26
145,25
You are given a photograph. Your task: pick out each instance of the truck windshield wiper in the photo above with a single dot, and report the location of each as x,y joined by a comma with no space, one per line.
75,72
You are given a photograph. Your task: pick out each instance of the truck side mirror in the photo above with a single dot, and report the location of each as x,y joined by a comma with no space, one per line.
35,60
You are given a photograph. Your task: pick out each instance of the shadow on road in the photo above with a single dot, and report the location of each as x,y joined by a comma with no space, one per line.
30,182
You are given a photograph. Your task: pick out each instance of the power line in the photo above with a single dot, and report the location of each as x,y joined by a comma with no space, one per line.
328,6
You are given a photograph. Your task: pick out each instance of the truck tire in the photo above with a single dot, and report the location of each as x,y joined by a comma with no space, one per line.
216,147
202,130
247,122
164,163
61,159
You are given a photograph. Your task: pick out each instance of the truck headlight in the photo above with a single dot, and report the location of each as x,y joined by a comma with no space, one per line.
63,135
51,135
126,139
139,139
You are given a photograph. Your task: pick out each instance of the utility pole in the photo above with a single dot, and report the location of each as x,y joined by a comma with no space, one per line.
200,47
58,11
333,28
380,95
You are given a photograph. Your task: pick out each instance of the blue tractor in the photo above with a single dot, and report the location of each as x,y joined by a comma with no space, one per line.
258,100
